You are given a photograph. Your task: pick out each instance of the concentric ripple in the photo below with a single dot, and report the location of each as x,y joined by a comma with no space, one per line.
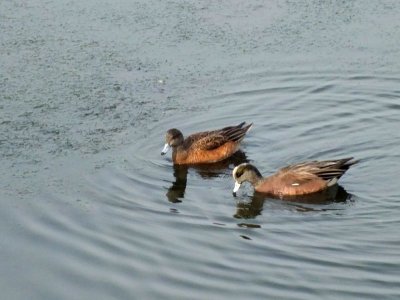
152,230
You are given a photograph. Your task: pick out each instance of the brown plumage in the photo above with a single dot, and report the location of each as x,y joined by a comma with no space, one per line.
205,147
294,180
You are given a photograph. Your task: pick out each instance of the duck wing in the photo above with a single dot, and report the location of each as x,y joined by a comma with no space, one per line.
327,169
209,140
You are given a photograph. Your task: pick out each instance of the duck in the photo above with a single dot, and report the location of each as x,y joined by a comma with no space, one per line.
294,180
205,147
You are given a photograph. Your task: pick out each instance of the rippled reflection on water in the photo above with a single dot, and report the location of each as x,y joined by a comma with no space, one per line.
97,213
174,230
206,171
156,230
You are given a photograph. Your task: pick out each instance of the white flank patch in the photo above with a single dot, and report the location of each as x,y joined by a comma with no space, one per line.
296,184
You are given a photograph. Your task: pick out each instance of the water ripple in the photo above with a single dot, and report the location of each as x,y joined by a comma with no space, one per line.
178,231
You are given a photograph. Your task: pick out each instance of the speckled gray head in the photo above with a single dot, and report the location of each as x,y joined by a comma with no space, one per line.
236,174
244,172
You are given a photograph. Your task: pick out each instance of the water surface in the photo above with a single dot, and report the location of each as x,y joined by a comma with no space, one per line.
91,210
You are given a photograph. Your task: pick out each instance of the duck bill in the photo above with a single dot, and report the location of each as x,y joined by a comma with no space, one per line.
165,149
236,188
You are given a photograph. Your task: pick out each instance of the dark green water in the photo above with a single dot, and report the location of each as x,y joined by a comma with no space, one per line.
90,210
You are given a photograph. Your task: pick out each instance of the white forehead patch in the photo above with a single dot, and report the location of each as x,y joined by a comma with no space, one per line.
234,171
296,184
236,168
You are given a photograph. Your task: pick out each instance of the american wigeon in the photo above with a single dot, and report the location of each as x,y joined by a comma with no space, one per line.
294,180
204,147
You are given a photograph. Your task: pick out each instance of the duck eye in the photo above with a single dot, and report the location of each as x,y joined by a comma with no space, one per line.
239,173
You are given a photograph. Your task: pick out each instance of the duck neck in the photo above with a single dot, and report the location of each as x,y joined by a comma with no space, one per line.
178,151
255,178
174,151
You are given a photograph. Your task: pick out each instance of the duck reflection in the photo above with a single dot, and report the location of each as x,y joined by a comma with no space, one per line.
176,192
253,208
